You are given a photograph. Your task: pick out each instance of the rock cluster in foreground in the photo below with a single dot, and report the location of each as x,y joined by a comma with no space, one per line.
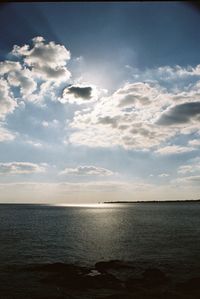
113,280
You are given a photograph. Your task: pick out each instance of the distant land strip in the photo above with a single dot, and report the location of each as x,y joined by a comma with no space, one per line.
153,201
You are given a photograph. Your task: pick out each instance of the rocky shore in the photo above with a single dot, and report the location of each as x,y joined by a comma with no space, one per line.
106,280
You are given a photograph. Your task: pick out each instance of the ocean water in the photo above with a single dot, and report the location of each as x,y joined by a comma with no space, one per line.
149,232
164,235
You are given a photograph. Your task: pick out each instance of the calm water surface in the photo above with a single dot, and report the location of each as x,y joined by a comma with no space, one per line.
151,233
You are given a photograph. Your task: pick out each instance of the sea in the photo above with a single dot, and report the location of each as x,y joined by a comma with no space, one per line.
165,235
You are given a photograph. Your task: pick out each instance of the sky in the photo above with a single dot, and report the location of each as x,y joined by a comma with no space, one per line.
99,102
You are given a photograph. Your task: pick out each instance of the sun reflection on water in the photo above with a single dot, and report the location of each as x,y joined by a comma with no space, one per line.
86,205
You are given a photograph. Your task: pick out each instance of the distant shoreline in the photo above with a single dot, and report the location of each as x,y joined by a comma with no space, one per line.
152,201
100,203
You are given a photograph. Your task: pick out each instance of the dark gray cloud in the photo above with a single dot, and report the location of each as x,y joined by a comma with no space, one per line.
80,92
128,100
179,114
107,120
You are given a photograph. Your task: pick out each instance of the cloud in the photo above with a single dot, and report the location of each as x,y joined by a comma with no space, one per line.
137,95
173,149
118,121
34,72
165,73
94,191
180,114
7,105
7,102
189,180
46,60
67,192
83,187
185,169
126,118
163,175
21,168
192,167
9,66
45,124
172,77
50,124
22,79
87,171
194,142
138,116
6,135
35,144
79,94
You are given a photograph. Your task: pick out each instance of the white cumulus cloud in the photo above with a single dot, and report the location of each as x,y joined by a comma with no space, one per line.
173,149
36,70
47,60
87,171
21,168
138,116
7,102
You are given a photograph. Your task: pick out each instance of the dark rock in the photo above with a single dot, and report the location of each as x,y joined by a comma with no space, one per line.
152,283
191,286
77,278
113,264
155,276
60,268
104,281
151,279
118,296
154,273
133,284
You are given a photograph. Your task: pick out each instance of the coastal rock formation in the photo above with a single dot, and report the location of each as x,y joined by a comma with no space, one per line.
61,280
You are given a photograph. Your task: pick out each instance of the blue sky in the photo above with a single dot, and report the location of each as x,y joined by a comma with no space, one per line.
99,101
